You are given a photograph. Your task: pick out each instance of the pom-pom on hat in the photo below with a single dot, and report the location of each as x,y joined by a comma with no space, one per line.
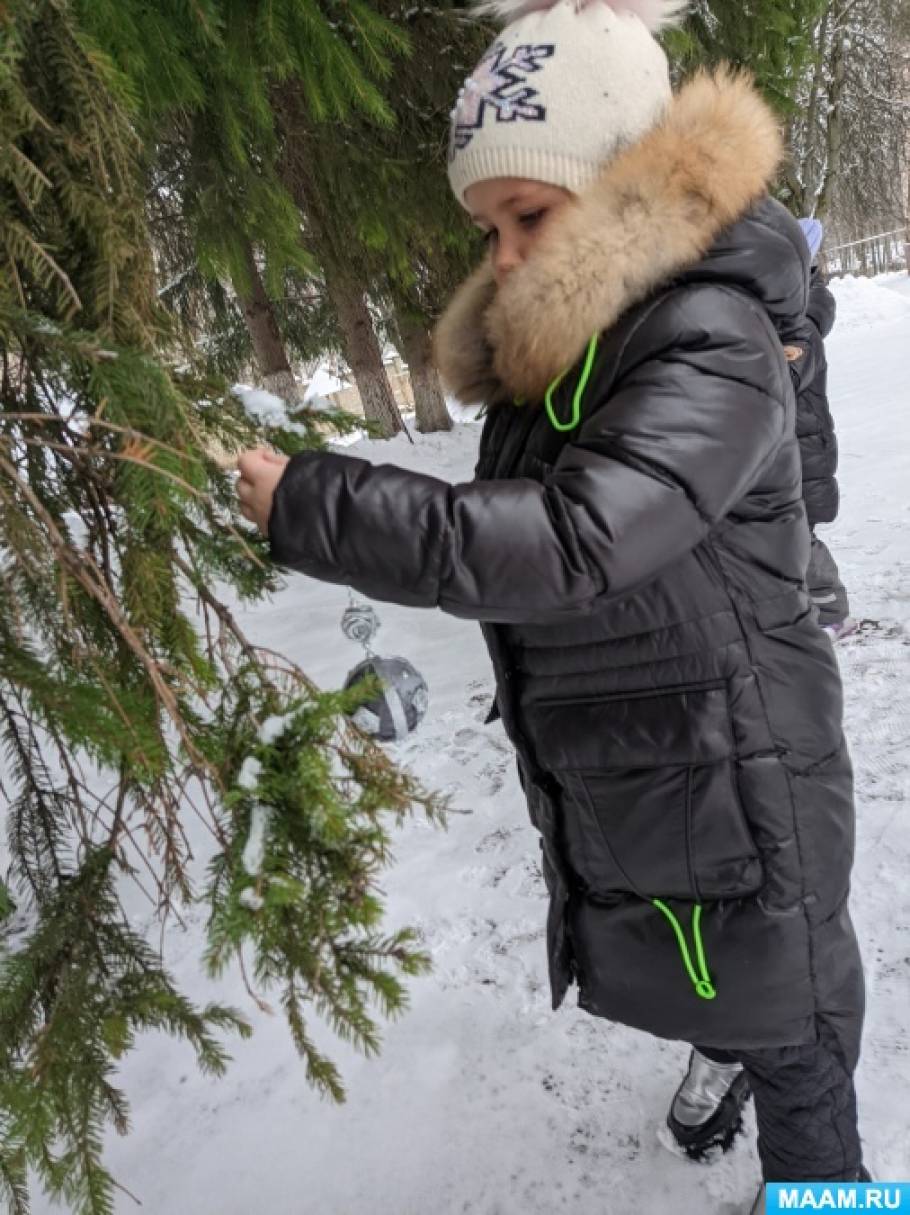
564,87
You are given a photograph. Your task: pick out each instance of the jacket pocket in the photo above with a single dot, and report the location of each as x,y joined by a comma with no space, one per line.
650,804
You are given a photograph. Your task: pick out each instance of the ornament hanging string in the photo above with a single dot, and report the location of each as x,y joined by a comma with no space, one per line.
360,623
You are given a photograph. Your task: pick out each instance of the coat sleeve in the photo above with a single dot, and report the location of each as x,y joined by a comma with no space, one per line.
822,306
701,406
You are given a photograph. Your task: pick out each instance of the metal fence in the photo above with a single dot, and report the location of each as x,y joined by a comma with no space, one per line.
874,255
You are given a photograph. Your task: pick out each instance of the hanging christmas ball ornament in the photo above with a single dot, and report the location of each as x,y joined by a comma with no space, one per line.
401,704
360,623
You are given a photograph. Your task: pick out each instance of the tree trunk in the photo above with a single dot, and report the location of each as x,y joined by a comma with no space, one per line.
429,400
346,293
268,344
814,136
805,165
835,148
362,351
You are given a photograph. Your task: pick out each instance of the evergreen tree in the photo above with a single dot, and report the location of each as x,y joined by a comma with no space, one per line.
206,75
118,525
428,243
380,194
309,161
773,39
209,314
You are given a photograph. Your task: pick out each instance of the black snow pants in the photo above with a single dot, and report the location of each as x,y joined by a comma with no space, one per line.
805,1105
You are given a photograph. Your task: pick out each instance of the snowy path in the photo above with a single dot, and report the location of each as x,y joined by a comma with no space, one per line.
483,1101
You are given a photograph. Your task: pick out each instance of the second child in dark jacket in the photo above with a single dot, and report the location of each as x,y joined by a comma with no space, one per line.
818,443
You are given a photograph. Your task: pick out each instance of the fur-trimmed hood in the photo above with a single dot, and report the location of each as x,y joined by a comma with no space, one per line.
654,213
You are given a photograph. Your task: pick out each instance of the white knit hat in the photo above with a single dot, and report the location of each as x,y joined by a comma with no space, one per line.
563,88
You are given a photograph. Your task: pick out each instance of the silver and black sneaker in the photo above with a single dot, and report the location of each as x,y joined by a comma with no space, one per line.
707,1111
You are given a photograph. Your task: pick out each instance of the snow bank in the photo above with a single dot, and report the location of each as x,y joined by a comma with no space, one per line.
899,282
865,301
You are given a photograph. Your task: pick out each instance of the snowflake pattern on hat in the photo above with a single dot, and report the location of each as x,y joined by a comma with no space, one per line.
500,87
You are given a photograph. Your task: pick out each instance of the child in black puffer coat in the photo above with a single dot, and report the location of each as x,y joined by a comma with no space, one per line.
818,443
630,548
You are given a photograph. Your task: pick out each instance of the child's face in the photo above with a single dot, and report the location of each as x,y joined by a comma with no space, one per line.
513,212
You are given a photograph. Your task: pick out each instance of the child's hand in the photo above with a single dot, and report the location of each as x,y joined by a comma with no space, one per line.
260,472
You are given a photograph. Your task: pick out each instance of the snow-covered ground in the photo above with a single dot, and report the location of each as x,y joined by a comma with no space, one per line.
483,1100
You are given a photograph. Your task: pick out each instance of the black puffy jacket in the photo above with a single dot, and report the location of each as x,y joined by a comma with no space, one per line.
814,424
635,552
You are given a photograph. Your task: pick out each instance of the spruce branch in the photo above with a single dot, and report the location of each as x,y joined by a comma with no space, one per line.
133,708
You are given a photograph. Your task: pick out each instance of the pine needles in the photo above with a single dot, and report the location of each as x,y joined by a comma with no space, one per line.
119,658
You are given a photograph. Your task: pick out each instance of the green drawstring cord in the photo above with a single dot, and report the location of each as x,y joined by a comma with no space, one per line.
577,399
701,981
